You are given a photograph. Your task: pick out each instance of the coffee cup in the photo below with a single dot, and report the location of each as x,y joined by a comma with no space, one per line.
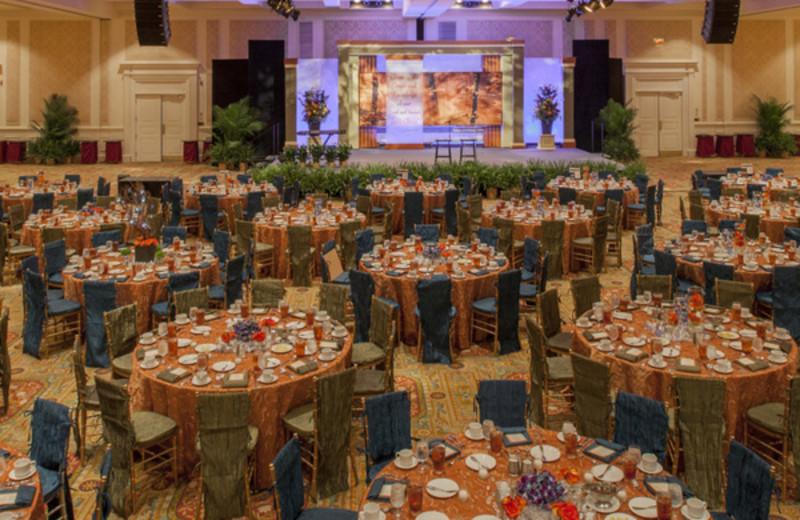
475,429
649,462
202,376
492,264
339,329
777,356
724,364
584,321
182,317
658,359
372,510
696,508
605,344
267,374
23,466
147,337
405,457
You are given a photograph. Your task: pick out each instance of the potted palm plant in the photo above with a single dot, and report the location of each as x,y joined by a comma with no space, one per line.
234,128
618,143
56,131
772,118
344,151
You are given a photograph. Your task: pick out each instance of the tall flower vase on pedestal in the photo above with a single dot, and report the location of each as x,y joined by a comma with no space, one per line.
546,111
315,109
313,126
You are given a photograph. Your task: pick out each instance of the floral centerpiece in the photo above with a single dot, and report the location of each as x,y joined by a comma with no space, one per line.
540,489
248,330
565,511
431,252
315,107
546,109
140,211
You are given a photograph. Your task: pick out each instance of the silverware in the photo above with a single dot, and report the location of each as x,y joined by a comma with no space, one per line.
477,461
441,490
603,474
642,508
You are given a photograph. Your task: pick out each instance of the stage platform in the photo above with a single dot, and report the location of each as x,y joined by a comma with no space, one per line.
485,155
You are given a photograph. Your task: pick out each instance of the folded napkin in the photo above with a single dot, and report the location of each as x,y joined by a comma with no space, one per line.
478,272
786,346
753,365
395,273
368,265
501,262
238,380
303,366
656,484
140,354
691,259
120,279
79,275
620,315
595,335
766,267
632,354
174,375
329,344
516,436
381,489
23,497
688,365
449,450
604,450
202,265
162,275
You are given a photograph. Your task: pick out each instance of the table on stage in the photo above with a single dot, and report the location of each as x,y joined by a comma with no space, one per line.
319,133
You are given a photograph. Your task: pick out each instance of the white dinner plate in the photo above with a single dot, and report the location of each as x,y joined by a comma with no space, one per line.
551,453
147,342
614,505
14,475
620,516
633,341
432,515
149,366
485,517
188,359
267,380
614,474
721,370
411,465
223,366
306,334
478,460
184,342
205,347
183,321
645,507
655,471
670,352
200,329
442,488
197,382
281,348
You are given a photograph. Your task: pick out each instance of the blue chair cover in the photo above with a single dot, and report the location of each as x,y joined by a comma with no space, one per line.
278,181
434,302
205,179
55,256
103,497
388,418
376,177
539,180
786,299
445,177
254,204
23,179
412,209
791,233
85,196
502,401
170,232
687,226
466,188
288,195
714,188
451,222
700,179
295,192
51,426
289,480
176,200
327,247
508,311
234,278
640,181
429,233
566,195
362,288
526,187
749,484
614,194
100,297
773,172
222,246
530,255
101,237
43,201
36,298
354,187
605,174
753,188
633,282
243,178
644,235
666,264
641,421
650,205
103,187
177,185
365,243
72,177
712,271
734,169
488,236
178,282
729,223
209,211
30,262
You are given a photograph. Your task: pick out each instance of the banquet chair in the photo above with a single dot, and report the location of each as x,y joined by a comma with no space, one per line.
413,212
585,293
208,179
730,292
435,334
376,177
529,292
51,426
659,201
730,224
102,504
464,235
782,303
365,244
101,238
614,235
238,213
210,215
641,180
666,265
5,360
223,296
225,443
689,226
331,265
142,445
52,234
539,180
11,256
347,239
749,486
502,401
655,283
466,189
566,195
682,209
549,196
556,340
714,189
48,323
646,243
254,204
270,201
429,233
73,178
185,300
498,315
244,178
637,258
488,236
176,282
375,380
362,287
104,201
266,293
387,429
187,218
69,203
512,249
325,427
475,205
697,429
773,172
713,271
100,297
300,254
753,190
333,299
263,253
771,430
85,196
32,263
55,259
592,389
221,243
696,209
551,377
123,336
530,260
279,181
591,251
552,242
16,218
733,191
615,194
168,233
87,402
372,352
383,230
43,201
446,216
788,195
641,421
791,233
286,473
638,213
588,201
375,214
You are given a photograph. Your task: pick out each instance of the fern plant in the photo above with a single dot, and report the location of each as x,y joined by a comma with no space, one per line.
618,143
56,131
772,118
234,127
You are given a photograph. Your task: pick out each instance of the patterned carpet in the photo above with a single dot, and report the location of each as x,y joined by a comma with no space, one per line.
441,395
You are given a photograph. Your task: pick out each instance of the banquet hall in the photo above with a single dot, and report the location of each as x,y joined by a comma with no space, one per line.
433,260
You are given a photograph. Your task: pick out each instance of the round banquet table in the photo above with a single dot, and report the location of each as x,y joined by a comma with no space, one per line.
482,499
36,510
273,229
227,196
432,197
528,224
690,265
780,216
20,195
403,290
152,289
630,194
269,402
745,389
771,186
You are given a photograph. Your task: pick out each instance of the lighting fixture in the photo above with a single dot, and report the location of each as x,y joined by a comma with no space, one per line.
581,7
284,8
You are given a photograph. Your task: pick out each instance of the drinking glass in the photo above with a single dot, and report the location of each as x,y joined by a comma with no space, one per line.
202,362
398,498
422,453
415,497
163,348
193,314
663,506
438,453
648,297
613,332
676,493
570,439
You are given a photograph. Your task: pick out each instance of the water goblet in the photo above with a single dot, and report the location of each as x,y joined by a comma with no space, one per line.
163,348
422,453
193,314
398,498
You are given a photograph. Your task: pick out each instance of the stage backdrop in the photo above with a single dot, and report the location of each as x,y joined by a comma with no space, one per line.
538,72
322,74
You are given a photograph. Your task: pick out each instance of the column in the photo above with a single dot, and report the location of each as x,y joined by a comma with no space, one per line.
290,66
569,102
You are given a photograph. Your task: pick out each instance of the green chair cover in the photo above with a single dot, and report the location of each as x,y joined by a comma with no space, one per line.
505,234
223,433
464,225
591,384
51,234
550,313
347,235
729,292
333,300
118,431
300,255
122,332
185,300
549,196
5,360
536,411
701,422
794,424
267,293
553,243
3,249
244,236
271,201
599,242
696,211
334,395
655,283
380,323
585,292
752,225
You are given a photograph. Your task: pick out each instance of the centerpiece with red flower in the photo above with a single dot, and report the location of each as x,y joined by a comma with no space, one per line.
513,506
546,109
540,489
565,511
248,330
315,107
141,212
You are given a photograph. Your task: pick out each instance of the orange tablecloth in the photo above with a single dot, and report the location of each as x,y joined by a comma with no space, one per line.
629,196
774,188
482,492
225,202
431,198
771,226
269,232
144,294
36,510
269,403
76,236
745,389
25,197
464,291
573,228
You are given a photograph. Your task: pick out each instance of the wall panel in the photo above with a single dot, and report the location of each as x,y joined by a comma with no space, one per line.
12,74
383,30
758,64
677,34
538,34
242,31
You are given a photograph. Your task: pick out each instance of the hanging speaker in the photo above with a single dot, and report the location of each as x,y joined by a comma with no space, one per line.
721,20
152,21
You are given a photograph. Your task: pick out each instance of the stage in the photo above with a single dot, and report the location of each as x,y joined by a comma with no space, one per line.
495,156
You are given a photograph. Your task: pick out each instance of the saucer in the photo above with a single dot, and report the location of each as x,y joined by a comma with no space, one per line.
781,361
413,464
633,341
197,382
341,334
139,278
644,507
13,475
584,325
147,342
685,513
479,437
670,352
613,506
718,368
149,366
655,471
608,348
652,363
267,380
273,362
329,357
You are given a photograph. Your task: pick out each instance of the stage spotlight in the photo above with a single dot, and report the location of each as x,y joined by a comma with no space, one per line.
295,15
570,15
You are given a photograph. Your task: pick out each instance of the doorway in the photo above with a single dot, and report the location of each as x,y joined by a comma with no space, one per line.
660,123
159,127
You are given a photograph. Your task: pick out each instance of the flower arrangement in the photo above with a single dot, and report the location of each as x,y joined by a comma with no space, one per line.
513,506
696,302
91,210
738,239
145,242
431,252
540,488
247,330
565,510
546,109
570,475
315,105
